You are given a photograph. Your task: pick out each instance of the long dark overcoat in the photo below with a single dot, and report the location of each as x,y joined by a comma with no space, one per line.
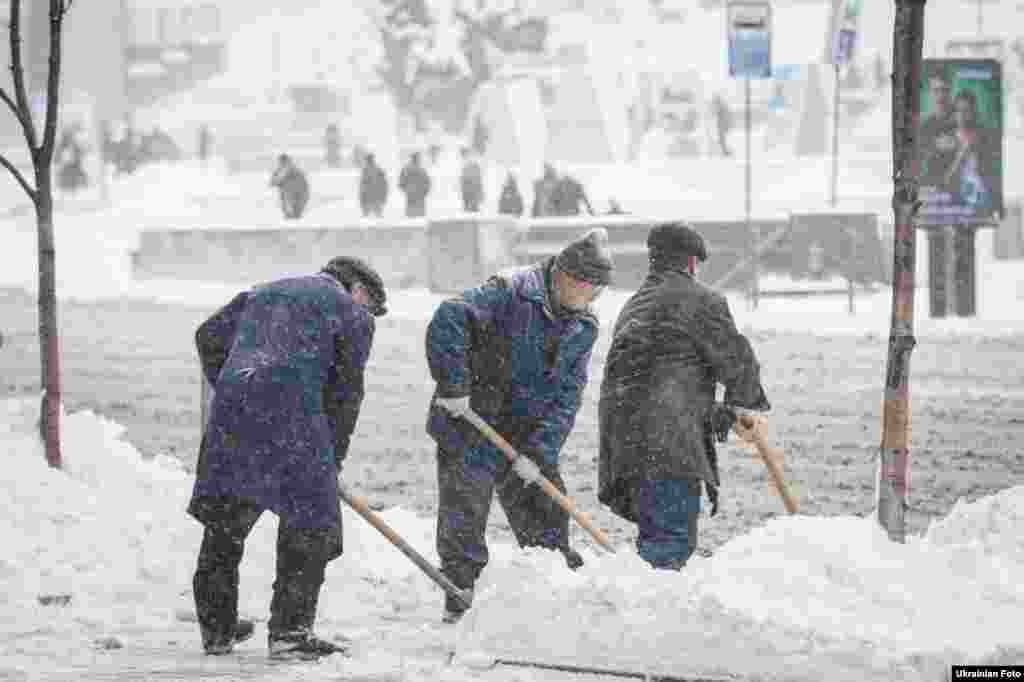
672,342
286,361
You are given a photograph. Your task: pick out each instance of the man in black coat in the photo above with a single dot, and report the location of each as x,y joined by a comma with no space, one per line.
673,342
286,361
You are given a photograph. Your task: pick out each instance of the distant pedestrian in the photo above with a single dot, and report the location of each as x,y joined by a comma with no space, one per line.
373,187
543,189
568,197
471,182
70,154
332,146
292,186
415,183
723,122
511,200
205,143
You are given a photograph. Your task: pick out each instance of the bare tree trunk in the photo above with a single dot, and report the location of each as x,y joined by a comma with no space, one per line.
41,195
894,452
49,338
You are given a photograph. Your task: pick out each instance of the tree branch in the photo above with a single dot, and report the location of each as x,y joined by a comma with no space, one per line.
18,75
19,177
10,103
52,82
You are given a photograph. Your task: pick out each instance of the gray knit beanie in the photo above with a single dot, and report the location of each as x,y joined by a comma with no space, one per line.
588,258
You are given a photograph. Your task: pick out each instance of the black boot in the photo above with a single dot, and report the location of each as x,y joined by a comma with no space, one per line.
301,564
301,646
215,644
454,609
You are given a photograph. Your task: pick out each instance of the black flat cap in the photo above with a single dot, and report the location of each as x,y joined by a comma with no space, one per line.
675,240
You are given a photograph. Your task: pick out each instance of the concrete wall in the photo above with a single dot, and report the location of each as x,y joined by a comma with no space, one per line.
444,255
465,251
453,254
398,251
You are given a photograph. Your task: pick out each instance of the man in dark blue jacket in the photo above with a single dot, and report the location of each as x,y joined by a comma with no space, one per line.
286,361
516,351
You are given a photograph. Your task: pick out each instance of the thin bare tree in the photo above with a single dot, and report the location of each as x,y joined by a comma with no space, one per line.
41,154
894,452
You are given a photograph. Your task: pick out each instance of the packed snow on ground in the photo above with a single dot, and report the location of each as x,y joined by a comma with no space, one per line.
110,531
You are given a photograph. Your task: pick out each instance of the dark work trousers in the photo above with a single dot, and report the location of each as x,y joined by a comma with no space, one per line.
302,557
466,486
667,513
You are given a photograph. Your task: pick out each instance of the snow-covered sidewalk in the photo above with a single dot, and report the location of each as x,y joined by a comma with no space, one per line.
798,598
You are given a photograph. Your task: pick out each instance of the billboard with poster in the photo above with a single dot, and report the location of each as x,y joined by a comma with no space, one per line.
961,142
750,39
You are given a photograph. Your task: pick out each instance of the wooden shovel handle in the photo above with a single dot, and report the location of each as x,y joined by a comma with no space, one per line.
374,519
547,486
765,452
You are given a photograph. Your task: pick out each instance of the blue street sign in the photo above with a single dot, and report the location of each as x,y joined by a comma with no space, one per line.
750,39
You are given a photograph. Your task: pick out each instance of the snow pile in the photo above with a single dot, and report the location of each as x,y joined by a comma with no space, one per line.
810,586
107,531
994,526
111,531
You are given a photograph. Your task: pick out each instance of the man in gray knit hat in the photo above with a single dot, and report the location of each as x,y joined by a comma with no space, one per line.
673,342
516,351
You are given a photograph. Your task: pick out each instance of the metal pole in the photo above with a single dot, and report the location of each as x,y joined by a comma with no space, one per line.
835,138
748,183
981,16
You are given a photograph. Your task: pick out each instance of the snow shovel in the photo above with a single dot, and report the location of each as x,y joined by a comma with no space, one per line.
749,429
547,486
363,508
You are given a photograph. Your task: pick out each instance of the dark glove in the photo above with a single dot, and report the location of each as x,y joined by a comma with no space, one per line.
712,497
723,418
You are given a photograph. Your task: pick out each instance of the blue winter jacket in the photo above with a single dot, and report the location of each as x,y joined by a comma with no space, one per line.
286,362
524,368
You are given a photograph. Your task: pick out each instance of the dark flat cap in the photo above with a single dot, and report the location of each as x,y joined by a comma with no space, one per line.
348,270
675,240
